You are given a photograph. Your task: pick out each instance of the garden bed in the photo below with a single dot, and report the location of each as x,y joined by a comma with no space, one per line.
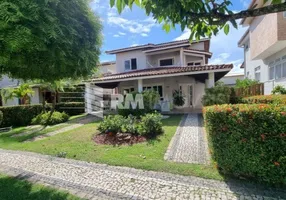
118,139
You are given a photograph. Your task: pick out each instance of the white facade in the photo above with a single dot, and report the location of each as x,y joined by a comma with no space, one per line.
167,67
230,79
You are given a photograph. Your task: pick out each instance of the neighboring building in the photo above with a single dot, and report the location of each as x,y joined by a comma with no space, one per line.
264,46
106,68
230,78
165,67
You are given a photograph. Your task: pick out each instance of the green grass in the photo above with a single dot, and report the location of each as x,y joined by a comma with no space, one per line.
78,144
15,189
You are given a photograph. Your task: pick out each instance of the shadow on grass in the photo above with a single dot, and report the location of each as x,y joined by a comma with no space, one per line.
13,188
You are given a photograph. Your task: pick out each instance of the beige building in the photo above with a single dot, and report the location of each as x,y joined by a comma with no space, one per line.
165,67
264,46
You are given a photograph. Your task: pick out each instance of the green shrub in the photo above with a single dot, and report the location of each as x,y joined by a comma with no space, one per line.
220,94
71,108
1,117
279,89
249,140
245,83
150,98
178,98
19,115
265,99
56,118
111,123
150,125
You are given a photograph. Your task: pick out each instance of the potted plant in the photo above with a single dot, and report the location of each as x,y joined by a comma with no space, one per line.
178,99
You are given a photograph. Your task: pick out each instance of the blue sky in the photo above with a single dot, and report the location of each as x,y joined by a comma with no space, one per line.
134,28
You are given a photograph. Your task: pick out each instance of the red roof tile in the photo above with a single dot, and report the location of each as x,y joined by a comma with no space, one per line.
163,71
151,46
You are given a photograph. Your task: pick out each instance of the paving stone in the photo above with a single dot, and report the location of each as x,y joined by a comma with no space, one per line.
98,181
189,144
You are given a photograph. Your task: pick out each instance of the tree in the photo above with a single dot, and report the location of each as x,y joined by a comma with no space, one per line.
23,92
245,83
48,39
203,17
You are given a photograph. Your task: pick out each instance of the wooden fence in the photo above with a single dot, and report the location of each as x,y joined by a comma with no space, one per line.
253,90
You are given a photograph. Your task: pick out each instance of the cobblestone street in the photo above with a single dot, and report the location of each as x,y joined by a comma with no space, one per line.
189,144
98,181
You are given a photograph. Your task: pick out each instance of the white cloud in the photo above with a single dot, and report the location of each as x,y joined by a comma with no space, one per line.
116,35
121,33
134,45
144,35
185,35
245,3
132,26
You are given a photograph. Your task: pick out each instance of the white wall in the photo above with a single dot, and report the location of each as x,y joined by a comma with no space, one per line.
121,57
108,69
231,79
169,85
154,59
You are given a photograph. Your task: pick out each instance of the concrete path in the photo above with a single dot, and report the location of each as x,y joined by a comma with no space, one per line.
97,181
73,125
189,144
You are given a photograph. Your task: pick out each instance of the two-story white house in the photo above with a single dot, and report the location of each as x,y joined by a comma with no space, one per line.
165,67
264,46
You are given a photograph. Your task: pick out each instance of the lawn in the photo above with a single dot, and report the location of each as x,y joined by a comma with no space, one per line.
12,188
78,144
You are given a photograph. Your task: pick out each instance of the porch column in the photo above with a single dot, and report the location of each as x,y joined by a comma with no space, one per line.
211,80
140,85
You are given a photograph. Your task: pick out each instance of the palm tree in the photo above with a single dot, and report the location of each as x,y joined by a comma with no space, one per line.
23,92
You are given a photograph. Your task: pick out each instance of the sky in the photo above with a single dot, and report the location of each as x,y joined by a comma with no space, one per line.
134,27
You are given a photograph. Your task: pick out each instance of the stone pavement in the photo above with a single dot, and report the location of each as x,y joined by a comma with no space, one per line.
98,181
73,125
189,144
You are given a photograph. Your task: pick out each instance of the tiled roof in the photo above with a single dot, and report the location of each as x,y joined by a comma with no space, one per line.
162,71
153,46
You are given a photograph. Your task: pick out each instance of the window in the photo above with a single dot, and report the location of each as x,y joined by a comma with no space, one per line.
157,88
130,64
247,75
194,63
166,62
128,90
277,68
257,73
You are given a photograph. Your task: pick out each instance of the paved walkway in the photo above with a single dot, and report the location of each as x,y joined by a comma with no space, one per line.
97,181
73,125
189,144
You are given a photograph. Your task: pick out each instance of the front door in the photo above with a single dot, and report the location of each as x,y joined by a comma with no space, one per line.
188,92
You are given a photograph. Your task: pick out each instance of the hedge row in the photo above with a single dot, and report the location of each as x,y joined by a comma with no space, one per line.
249,140
23,115
265,99
71,108
19,115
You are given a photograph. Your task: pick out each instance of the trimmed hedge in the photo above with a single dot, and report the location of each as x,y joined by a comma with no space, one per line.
265,99
19,115
1,117
22,115
249,140
71,108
